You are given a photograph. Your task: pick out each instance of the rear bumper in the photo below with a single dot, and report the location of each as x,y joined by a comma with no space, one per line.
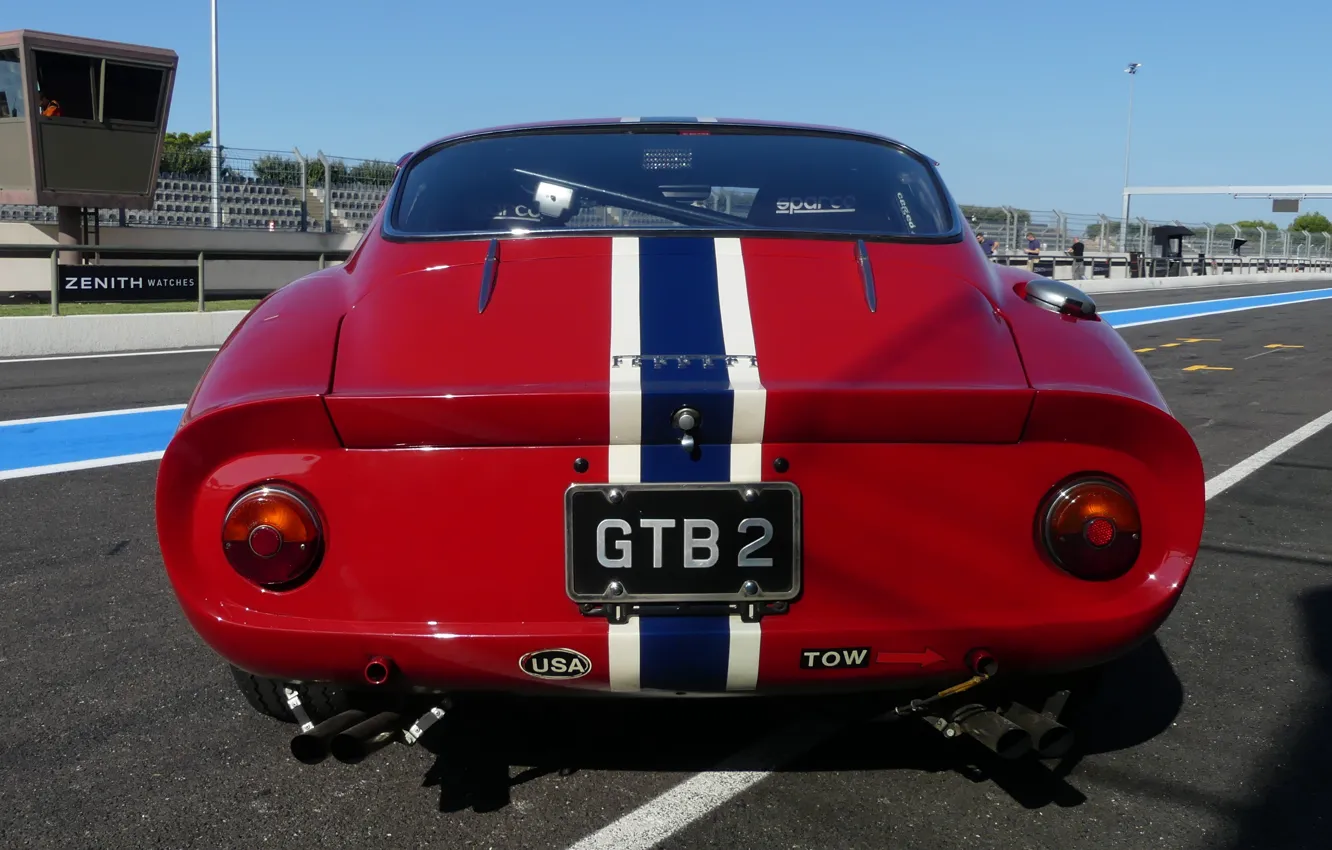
718,655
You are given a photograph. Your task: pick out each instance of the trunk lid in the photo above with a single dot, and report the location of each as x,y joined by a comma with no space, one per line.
597,340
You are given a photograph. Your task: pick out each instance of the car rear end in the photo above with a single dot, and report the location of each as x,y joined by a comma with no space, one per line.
592,418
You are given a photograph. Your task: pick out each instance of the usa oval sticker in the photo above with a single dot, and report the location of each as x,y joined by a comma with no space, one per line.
555,664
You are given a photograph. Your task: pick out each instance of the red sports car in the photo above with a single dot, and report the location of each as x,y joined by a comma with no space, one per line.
674,407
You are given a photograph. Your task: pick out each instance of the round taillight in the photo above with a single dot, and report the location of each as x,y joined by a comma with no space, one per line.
1091,529
272,537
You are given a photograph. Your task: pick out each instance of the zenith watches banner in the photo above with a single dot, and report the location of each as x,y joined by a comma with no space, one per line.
128,283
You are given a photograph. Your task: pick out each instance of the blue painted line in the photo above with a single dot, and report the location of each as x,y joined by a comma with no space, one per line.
1194,309
41,443
680,313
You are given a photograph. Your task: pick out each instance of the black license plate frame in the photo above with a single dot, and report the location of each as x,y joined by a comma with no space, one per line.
731,507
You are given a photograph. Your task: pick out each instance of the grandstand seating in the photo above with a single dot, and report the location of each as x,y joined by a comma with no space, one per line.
183,201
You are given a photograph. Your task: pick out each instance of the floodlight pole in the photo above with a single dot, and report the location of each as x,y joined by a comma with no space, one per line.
1132,71
328,192
217,134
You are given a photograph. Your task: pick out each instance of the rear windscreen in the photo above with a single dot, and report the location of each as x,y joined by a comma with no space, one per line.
671,180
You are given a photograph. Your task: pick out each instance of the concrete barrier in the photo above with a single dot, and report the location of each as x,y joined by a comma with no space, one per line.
39,336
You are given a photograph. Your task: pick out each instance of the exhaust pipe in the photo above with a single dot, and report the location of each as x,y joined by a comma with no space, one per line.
312,747
353,745
377,670
1000,736
1050,738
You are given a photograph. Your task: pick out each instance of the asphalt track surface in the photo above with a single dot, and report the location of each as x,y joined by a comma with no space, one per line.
120,729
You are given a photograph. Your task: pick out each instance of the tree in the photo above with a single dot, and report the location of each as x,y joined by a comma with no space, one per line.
184,154
1314,222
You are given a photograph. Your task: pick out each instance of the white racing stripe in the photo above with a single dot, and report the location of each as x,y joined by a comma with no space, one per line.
75,465
623,453
56,357
749,404
750,398
623,663
742,661
626,395
674,810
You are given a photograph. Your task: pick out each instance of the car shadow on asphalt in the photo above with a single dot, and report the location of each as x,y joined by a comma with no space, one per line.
478,744
1294,809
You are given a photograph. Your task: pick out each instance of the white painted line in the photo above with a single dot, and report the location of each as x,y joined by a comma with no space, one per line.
662,817
648,825
4,423
76,465
109,354
1251,464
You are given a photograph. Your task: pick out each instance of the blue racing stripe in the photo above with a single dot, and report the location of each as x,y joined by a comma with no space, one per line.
1173,312
89,438
684,653
680,314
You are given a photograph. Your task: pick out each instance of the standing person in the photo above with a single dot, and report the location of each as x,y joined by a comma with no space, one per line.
1076,251
1033,251
987,245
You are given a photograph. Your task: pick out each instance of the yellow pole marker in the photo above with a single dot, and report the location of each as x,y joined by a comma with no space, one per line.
1278,345
1141,350
1196,339
1170,345
1200,367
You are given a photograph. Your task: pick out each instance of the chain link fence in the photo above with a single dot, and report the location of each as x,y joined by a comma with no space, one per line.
1100,233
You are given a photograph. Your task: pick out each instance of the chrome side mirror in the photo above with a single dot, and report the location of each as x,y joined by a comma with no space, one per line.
1060,297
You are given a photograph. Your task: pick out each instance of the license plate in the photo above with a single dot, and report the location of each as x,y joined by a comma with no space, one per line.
697,542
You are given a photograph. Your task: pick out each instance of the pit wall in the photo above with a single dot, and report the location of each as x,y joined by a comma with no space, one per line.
259,276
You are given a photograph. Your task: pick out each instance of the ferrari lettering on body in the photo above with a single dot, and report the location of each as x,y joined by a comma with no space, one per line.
555,664
683,361
834,659
700,538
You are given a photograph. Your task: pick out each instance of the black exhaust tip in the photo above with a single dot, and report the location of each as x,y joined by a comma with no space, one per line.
998,734
351,746
312,747
1050,738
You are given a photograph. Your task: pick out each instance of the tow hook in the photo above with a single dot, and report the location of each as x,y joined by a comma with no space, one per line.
981,663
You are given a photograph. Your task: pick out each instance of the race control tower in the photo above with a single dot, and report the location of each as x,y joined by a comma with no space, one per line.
81,123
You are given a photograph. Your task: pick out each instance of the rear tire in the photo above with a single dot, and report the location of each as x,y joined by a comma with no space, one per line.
266,696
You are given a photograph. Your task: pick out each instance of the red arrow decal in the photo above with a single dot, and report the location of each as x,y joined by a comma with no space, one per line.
923,659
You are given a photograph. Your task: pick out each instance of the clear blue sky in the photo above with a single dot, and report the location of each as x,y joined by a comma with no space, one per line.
1024,104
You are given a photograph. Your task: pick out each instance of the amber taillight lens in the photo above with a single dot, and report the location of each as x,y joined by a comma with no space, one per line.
1091,528
272,537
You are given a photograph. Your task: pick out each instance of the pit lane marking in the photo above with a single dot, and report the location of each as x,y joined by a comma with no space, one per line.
1130,317
45,445
1180,339
1271,349
679,807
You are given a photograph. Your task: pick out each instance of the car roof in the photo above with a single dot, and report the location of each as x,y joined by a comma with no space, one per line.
664,121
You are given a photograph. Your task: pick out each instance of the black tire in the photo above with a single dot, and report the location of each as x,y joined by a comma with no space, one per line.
266,696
